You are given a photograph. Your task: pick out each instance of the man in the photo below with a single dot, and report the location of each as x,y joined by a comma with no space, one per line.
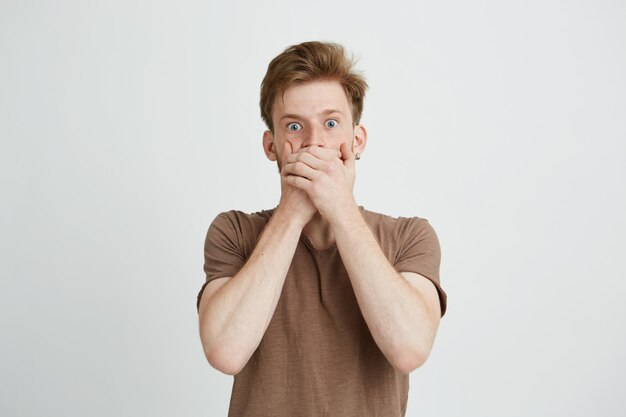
318,306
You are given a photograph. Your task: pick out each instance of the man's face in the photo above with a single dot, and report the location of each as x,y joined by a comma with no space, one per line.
316,113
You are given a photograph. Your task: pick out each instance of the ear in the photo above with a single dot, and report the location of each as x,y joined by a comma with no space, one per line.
360,139
268,145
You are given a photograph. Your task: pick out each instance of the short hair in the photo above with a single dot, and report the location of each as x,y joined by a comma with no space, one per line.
312,61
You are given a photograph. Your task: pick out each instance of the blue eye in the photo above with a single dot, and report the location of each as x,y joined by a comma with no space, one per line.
331,123
294,127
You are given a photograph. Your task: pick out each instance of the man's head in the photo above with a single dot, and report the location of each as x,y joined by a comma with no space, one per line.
311,61
302,85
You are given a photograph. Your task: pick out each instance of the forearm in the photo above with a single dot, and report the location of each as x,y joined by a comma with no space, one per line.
396,313
237,315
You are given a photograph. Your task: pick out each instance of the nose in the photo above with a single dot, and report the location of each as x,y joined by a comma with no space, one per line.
314,136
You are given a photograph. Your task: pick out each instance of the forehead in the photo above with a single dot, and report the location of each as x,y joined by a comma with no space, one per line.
312,98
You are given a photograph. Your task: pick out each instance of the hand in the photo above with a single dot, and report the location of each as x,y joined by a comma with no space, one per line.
293,200
326,175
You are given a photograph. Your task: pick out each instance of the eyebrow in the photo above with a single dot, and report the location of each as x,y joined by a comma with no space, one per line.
323,112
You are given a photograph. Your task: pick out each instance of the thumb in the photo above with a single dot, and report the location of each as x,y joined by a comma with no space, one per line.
288,151
347,156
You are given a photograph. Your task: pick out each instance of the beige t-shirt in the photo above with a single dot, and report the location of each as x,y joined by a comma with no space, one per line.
317,356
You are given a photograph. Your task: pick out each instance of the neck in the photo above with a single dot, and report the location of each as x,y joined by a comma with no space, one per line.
319,232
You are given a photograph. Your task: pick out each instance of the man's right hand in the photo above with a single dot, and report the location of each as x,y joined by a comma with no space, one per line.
295,202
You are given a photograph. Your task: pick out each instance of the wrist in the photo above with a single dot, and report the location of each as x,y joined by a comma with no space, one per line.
346,217
287,218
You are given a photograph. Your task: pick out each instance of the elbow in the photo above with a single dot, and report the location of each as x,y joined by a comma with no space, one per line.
219,356
225,362
409,360
408,365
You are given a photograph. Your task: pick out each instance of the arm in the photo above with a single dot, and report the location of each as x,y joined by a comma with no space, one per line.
401,309
234,318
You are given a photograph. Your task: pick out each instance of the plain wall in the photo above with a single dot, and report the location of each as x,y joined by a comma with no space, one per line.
127,126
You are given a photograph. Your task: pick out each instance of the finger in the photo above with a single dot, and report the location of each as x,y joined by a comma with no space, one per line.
294,156
326,154
347,156
287,148
298,182
288,151
291,158
308,159
301,169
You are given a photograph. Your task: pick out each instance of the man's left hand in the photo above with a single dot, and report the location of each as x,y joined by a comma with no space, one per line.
326,175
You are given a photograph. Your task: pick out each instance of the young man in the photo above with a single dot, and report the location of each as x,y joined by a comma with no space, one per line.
318,306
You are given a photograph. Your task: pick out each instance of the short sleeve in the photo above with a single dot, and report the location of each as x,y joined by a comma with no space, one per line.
223,251
420,252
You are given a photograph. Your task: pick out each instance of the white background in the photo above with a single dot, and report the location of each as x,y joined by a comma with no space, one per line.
127,126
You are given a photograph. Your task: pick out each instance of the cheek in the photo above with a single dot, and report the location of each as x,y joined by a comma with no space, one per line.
295,138
292,137
279,162
295,141
342,135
